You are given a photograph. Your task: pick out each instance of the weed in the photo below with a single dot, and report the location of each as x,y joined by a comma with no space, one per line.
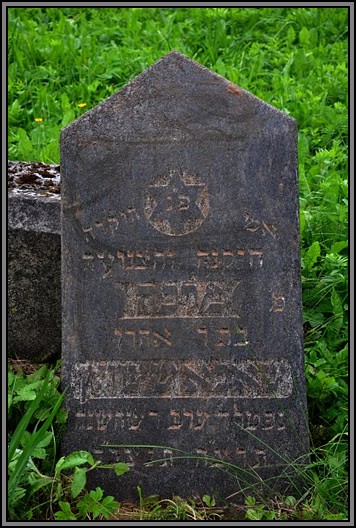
154,508
31,438
319,486
38,484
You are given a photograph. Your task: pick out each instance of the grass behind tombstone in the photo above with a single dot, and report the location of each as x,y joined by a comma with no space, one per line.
64,61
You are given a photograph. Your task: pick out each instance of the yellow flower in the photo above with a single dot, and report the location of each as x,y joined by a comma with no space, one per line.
38,119
82,105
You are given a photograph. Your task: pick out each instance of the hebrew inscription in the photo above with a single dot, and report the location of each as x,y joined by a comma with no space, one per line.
177,203
179,299
216,260
245,456
182,379
213,336
184,418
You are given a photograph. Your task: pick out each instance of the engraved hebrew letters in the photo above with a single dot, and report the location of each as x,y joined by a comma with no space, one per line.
177,203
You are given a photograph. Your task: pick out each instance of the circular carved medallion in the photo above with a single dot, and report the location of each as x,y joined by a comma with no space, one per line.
177,203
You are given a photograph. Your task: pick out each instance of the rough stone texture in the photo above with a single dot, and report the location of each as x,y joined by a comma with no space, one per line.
33,177
33,213
181,284
34,295
34,262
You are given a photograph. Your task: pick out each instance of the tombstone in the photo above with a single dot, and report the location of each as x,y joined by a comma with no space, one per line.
181,286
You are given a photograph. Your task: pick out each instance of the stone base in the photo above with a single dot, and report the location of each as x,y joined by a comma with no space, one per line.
34,275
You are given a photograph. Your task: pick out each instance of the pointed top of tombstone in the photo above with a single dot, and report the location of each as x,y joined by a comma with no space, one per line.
177,99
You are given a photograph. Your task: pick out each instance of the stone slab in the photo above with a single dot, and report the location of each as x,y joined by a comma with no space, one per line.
34,321
181,285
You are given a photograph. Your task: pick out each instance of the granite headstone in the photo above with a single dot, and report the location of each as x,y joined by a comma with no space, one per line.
181,285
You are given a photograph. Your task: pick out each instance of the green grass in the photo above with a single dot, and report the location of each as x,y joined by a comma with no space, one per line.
293,58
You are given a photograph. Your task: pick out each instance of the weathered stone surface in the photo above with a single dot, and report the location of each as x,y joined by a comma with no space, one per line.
34,295
34,213
34,263
181,284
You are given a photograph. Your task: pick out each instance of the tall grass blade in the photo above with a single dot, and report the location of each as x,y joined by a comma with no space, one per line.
25,420
28,449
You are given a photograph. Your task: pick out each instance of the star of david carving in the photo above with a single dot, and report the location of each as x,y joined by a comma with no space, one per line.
177,204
